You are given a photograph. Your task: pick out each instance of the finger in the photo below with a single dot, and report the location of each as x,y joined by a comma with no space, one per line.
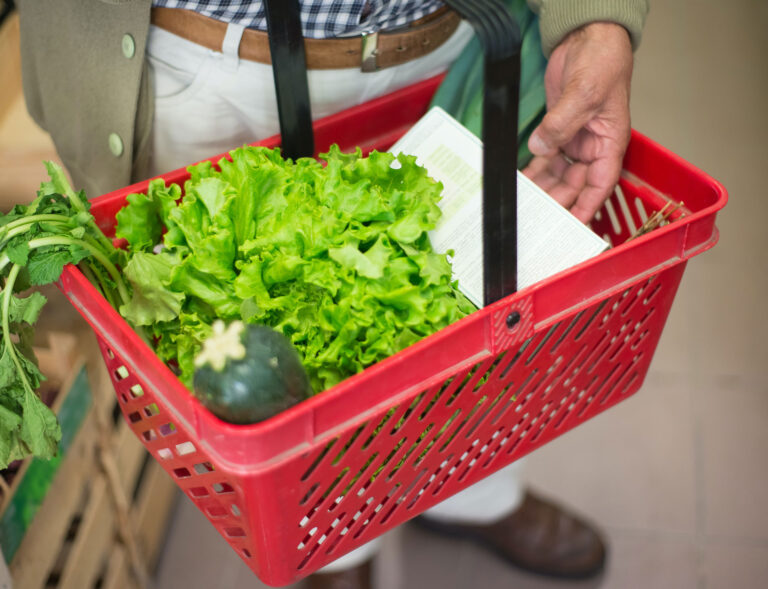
601,180
538,172
561,179
571,184
546,180
547,172
575,108
588,203
536,166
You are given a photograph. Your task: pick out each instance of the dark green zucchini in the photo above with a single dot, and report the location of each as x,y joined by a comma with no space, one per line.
248,373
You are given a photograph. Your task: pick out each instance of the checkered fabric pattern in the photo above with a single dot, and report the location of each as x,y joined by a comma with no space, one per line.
320,18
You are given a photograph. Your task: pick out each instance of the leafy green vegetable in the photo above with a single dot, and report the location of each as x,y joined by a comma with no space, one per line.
36,241
334,255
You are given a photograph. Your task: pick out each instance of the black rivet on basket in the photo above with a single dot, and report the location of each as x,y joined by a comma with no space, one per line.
513,319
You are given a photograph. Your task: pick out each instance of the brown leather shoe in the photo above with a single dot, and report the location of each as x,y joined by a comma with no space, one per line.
355,578
539,537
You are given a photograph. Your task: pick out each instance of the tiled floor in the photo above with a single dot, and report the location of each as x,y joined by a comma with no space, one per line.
677,475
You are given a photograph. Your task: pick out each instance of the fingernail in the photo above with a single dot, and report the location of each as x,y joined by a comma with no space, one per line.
537,145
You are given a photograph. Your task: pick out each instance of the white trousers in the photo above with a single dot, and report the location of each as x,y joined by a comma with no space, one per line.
209,102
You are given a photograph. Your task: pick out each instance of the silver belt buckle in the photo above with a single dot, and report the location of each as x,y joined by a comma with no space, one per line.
370,50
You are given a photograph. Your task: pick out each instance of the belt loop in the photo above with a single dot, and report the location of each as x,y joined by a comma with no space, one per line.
369,61
230,46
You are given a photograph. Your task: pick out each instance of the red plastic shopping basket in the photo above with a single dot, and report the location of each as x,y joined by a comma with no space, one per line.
297,491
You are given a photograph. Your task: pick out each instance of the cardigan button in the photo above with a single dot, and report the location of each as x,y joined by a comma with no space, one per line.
115,144
128,46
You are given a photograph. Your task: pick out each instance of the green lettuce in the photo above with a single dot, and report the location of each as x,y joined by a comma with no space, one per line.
335,254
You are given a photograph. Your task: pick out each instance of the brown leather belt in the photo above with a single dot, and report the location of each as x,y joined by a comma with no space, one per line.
368,52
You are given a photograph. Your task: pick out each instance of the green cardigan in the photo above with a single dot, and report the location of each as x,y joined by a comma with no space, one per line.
86,82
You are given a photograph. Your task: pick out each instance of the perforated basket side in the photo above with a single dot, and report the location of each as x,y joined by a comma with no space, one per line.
219,495
395,464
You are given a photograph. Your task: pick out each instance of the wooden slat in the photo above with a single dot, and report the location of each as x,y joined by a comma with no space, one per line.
118,575
95,537
129,455
153,509
98,532
45,535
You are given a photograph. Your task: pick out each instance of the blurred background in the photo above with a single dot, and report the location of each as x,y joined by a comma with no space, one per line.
676,476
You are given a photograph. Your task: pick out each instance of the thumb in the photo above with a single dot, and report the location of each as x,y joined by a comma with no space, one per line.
574,109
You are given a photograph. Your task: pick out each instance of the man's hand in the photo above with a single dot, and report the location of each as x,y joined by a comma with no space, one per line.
580,144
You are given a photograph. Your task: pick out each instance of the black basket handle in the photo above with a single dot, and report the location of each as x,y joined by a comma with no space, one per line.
500,38
289,68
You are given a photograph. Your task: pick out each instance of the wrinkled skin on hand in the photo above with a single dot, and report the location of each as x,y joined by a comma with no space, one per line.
579,146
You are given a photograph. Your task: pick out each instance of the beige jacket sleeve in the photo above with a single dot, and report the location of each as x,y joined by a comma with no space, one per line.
557,18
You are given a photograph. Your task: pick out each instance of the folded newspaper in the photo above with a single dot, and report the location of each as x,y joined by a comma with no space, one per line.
549,237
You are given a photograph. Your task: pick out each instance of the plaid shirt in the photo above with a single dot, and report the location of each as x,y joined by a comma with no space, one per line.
320,18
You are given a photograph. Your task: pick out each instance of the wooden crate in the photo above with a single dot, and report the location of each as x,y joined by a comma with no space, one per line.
103,518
